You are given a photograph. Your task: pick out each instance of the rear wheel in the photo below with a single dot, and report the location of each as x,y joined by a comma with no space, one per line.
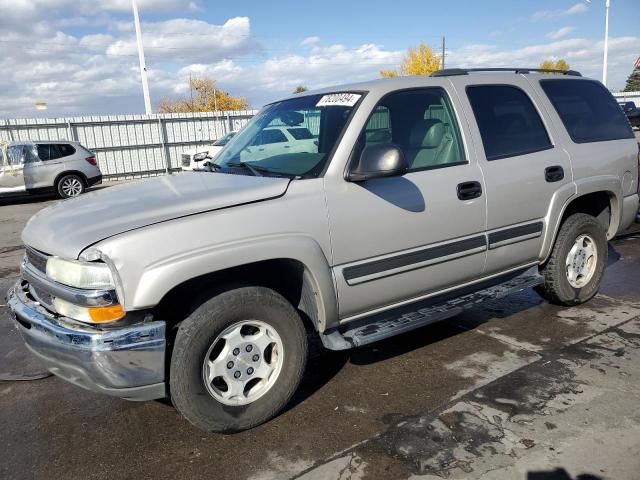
576,265
237,360
70,186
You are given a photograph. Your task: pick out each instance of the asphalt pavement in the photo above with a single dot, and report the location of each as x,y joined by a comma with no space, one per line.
513,389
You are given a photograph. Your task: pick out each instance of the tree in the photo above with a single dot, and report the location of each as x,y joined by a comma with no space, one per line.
204,97
300,89
420,61
549,64
633,82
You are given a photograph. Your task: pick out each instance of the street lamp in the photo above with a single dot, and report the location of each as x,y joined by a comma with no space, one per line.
607,5
143,66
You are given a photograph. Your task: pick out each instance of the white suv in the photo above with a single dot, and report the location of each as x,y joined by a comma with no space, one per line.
190,163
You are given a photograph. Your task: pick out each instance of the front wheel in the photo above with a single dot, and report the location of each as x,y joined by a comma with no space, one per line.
576,265
237,360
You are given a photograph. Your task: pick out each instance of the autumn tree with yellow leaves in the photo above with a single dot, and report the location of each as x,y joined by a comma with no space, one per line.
204,97
417,61
549,64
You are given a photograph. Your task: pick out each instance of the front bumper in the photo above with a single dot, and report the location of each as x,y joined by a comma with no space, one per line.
126,362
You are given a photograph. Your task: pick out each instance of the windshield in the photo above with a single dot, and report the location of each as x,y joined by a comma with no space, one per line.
290,138
221,142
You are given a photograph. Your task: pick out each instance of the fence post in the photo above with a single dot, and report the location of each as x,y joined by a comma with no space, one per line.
70,131
229,123
163,142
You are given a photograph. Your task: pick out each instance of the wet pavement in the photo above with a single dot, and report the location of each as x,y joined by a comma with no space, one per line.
515,388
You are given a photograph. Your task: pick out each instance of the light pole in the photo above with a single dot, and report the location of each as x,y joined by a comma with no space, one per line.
607,5
143,66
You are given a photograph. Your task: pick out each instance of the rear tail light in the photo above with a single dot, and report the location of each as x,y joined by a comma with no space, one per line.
92,161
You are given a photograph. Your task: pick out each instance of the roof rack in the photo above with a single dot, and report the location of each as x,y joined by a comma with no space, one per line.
465,71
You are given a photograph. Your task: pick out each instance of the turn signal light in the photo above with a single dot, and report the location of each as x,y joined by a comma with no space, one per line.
106,314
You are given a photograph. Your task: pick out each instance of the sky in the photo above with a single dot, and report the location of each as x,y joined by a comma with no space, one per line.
80,56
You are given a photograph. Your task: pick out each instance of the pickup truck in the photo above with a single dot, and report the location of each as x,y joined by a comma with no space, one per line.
421,197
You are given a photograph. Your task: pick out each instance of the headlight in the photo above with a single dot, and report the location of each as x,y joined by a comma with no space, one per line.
87,275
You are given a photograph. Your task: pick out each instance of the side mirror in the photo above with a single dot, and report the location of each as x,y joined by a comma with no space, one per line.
198,157
378,161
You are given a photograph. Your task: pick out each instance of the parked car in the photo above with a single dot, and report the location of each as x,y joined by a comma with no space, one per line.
66,168
632,112
421,197
204,153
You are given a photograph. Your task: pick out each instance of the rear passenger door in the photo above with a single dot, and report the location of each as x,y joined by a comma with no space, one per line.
522,164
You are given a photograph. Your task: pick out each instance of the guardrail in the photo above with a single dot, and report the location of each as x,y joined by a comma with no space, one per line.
131,145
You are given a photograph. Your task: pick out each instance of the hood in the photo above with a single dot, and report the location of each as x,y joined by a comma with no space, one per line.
70,226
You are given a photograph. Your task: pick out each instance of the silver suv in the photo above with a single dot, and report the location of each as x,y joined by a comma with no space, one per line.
66,168
421,197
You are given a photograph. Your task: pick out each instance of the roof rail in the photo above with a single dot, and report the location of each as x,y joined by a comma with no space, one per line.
465,71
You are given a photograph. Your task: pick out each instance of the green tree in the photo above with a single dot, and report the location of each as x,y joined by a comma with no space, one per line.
204,97
420,61
300,89
633,82
549,64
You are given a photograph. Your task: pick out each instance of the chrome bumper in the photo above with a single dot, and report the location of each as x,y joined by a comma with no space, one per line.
127,362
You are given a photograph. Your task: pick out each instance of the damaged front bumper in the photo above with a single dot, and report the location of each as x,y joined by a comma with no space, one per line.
126,362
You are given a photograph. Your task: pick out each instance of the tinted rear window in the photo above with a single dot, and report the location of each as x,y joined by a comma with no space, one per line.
53,151
509,123
587,109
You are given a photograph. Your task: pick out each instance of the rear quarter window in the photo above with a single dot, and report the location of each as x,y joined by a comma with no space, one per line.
587,109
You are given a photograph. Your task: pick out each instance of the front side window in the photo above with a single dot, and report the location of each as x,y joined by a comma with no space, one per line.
421,123
509,123
587,110
22,154
266,146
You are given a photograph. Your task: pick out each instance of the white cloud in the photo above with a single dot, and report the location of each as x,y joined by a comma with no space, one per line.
561,32
190,41
310,41
582,54
556,14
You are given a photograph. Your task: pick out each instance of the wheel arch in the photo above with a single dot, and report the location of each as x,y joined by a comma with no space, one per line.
82,176
295,267
599,197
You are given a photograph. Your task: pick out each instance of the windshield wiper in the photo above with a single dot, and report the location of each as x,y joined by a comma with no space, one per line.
257,171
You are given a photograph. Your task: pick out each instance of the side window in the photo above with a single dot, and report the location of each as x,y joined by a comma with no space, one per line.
64,150
422,123
509,123
269,136
587,110
22,154
44,152
301,133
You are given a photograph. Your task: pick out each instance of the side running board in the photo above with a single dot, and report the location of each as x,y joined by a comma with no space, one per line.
403,319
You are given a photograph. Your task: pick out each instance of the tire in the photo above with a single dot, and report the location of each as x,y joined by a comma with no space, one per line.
200,332
70,185
557,287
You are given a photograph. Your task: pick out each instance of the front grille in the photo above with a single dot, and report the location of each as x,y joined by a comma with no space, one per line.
186,160
37,259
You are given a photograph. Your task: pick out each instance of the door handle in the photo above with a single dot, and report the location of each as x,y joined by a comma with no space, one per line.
554,174
469,190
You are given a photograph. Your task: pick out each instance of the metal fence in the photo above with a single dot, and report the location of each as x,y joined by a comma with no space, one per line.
131,145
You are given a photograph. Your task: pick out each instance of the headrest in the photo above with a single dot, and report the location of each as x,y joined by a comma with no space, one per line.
427,133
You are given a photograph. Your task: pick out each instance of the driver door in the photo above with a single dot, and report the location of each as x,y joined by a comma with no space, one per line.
397,239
